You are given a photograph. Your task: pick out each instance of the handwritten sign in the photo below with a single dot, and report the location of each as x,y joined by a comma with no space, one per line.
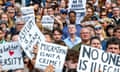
28,12
28,35
95,60
51,54
11,56
47,22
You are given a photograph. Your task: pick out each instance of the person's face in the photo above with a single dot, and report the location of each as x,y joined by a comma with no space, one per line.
89,12
50,11
70,65
19,26
116,11
117,34
3,26
57,36
113,48
72,29
92,31
103,15
85,34
110,31
72,18
15,38
4,17
96,43
98,29
48,38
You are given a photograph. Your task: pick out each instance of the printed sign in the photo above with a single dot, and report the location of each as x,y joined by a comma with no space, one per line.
47,22
28,12
11,56
51,54
95,60
28,35
77,5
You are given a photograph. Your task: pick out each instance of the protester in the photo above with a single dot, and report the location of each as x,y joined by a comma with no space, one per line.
95,42
85,38
72,39
113,45
99,28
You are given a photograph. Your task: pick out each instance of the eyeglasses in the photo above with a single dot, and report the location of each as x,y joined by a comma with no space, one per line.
98,28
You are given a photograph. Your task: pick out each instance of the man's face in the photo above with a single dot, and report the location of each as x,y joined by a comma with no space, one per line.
113,48
72,29
72,18
117,34
57,36
85,34
116,11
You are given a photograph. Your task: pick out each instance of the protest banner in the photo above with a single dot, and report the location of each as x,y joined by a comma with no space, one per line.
47,22
28,36
51,54
79,6
95,60
11,56
27,13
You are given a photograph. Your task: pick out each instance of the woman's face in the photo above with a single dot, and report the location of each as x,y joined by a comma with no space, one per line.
110,31
98,29
96,43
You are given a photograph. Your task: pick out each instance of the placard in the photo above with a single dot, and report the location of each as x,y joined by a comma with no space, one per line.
28,35
95,60
27,13
47,22
51,54
11,56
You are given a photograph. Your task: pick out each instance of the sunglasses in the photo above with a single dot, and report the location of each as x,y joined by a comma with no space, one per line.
98,28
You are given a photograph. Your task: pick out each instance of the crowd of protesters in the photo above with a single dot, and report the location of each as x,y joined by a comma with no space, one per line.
100,28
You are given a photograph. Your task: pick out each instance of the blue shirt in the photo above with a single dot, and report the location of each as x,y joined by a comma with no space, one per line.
70,44
66,33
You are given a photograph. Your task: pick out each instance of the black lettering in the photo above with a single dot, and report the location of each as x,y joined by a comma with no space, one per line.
93,54
104,68
104,57
112,59
118,61
86,52
83,65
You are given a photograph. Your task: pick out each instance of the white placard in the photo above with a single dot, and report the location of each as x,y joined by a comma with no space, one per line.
28,35
51,54
47,22
77,5
11,56
27,13
95,60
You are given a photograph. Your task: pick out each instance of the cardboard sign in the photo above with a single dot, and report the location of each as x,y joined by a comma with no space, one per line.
95,60
28,12
11,56
28,35
47,22
51,54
